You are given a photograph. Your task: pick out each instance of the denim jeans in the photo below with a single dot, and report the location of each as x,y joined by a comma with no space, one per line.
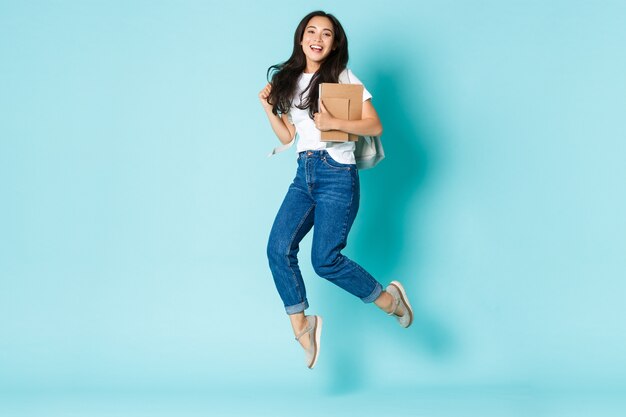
324,194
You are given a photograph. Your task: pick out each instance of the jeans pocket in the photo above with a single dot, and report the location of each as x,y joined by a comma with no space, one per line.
329,161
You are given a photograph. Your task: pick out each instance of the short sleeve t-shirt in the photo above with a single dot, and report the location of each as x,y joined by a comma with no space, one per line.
309,137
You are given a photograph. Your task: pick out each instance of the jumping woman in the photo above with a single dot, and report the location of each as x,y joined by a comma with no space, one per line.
325,191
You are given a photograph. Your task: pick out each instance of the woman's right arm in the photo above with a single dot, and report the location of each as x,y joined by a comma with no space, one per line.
284,130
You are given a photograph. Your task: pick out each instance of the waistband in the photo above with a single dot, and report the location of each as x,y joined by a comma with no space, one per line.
312,154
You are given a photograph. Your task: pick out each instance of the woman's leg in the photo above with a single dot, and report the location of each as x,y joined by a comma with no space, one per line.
337,194
337,202
293,221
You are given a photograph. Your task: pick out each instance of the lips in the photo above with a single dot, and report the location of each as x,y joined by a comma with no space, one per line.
316,48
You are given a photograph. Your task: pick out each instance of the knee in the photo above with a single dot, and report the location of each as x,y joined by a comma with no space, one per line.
324,266
275,250
322,270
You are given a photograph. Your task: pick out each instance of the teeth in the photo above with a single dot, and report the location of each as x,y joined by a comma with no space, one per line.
319,48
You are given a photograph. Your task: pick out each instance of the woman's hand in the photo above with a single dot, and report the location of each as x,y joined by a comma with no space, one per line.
323,120
264,94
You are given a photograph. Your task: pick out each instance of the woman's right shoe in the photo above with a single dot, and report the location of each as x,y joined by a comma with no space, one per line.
314,332
400,300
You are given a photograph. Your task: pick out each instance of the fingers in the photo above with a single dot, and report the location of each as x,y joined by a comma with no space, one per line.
322,107
318,120
323,120
266,91
264,95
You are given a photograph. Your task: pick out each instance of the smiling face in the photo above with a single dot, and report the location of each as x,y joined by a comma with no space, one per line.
317,42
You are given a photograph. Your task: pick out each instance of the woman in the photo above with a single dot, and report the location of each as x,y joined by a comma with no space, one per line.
325,191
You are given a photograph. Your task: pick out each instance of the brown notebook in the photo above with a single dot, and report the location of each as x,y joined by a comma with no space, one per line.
343,101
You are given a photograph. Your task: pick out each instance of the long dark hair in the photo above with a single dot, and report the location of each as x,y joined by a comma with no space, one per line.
284,77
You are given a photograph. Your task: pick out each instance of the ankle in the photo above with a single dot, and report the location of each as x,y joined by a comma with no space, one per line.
299,324
386,302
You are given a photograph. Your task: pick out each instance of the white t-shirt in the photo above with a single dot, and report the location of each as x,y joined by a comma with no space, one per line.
309,135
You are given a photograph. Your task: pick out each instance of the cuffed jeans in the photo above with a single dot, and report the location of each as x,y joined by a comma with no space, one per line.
326,194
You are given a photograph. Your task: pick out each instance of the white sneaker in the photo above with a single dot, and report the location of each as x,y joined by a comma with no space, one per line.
400,299
314,333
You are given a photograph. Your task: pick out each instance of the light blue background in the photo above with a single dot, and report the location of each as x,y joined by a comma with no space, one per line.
137,199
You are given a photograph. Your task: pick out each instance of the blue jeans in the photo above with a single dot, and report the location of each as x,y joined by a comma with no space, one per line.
326,194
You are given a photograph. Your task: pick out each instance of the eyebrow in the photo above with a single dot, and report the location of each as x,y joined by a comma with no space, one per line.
315,27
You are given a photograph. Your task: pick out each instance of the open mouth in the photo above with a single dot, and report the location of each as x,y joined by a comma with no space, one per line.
316,48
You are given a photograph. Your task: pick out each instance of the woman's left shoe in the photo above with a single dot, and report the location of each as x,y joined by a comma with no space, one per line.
400,300
314,332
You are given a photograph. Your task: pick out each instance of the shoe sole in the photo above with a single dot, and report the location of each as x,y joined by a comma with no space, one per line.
405,300
316,340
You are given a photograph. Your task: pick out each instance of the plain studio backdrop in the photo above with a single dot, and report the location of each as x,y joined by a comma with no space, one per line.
136,201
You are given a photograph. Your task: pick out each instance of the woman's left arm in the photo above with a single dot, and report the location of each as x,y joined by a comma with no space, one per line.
369,125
